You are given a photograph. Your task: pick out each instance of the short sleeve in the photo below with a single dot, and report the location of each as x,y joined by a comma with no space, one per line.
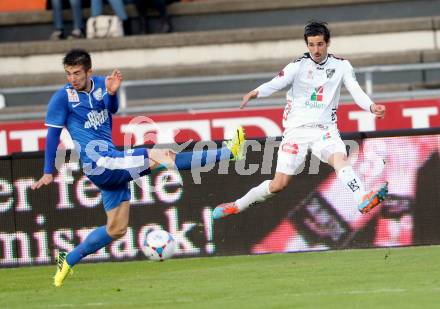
57,110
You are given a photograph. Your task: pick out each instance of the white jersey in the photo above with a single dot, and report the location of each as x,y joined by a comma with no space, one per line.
315,89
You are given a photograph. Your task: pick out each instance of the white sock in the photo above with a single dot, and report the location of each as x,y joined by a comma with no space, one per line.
256,195
349,179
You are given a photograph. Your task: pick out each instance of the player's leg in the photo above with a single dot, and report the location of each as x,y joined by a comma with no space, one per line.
166,158
331,149
186,160
117,222
116,227
258,194
346,175
290,157
117,206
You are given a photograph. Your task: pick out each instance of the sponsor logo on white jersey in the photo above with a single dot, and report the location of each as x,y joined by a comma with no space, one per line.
72,95
314,104
96,119
97,94
316,98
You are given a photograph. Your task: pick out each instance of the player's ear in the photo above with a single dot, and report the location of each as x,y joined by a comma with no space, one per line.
89,72
328,43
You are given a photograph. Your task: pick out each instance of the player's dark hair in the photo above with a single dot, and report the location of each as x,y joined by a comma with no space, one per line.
78,56
315,28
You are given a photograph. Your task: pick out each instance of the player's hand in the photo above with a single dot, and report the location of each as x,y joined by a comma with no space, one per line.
249,96
44,181
378,110
113,82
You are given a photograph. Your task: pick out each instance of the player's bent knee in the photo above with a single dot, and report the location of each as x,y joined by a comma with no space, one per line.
170,154
161,156
116,232
277,186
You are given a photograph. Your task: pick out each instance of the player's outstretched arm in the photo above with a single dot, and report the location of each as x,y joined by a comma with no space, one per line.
249,96
43,181
378,110
113,82
282,80
52,141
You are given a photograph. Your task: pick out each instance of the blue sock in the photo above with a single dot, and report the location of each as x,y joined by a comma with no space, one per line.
193,159
96,240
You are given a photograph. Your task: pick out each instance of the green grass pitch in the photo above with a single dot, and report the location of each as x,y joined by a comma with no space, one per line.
375,278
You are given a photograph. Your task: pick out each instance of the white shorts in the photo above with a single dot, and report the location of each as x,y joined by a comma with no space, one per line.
323,140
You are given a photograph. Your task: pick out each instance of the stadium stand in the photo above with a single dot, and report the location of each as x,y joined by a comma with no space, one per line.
227,14
220,38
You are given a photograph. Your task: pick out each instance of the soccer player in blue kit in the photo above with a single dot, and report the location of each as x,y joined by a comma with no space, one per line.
85,106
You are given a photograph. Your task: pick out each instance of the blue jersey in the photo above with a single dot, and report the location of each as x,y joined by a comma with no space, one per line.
86,115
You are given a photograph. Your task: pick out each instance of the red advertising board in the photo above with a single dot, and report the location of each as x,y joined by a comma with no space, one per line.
219,124
315,212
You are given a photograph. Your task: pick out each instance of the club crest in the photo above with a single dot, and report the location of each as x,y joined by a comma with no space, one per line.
72,95
97,94
330,73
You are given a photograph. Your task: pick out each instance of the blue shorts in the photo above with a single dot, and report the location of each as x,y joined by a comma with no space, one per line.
113,172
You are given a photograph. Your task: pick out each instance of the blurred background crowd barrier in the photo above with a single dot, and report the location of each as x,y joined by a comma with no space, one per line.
220,49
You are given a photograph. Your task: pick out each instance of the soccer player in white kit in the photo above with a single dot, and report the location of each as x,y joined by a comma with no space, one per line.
309,121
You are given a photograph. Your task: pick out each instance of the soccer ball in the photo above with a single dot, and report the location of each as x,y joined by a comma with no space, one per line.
159,245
